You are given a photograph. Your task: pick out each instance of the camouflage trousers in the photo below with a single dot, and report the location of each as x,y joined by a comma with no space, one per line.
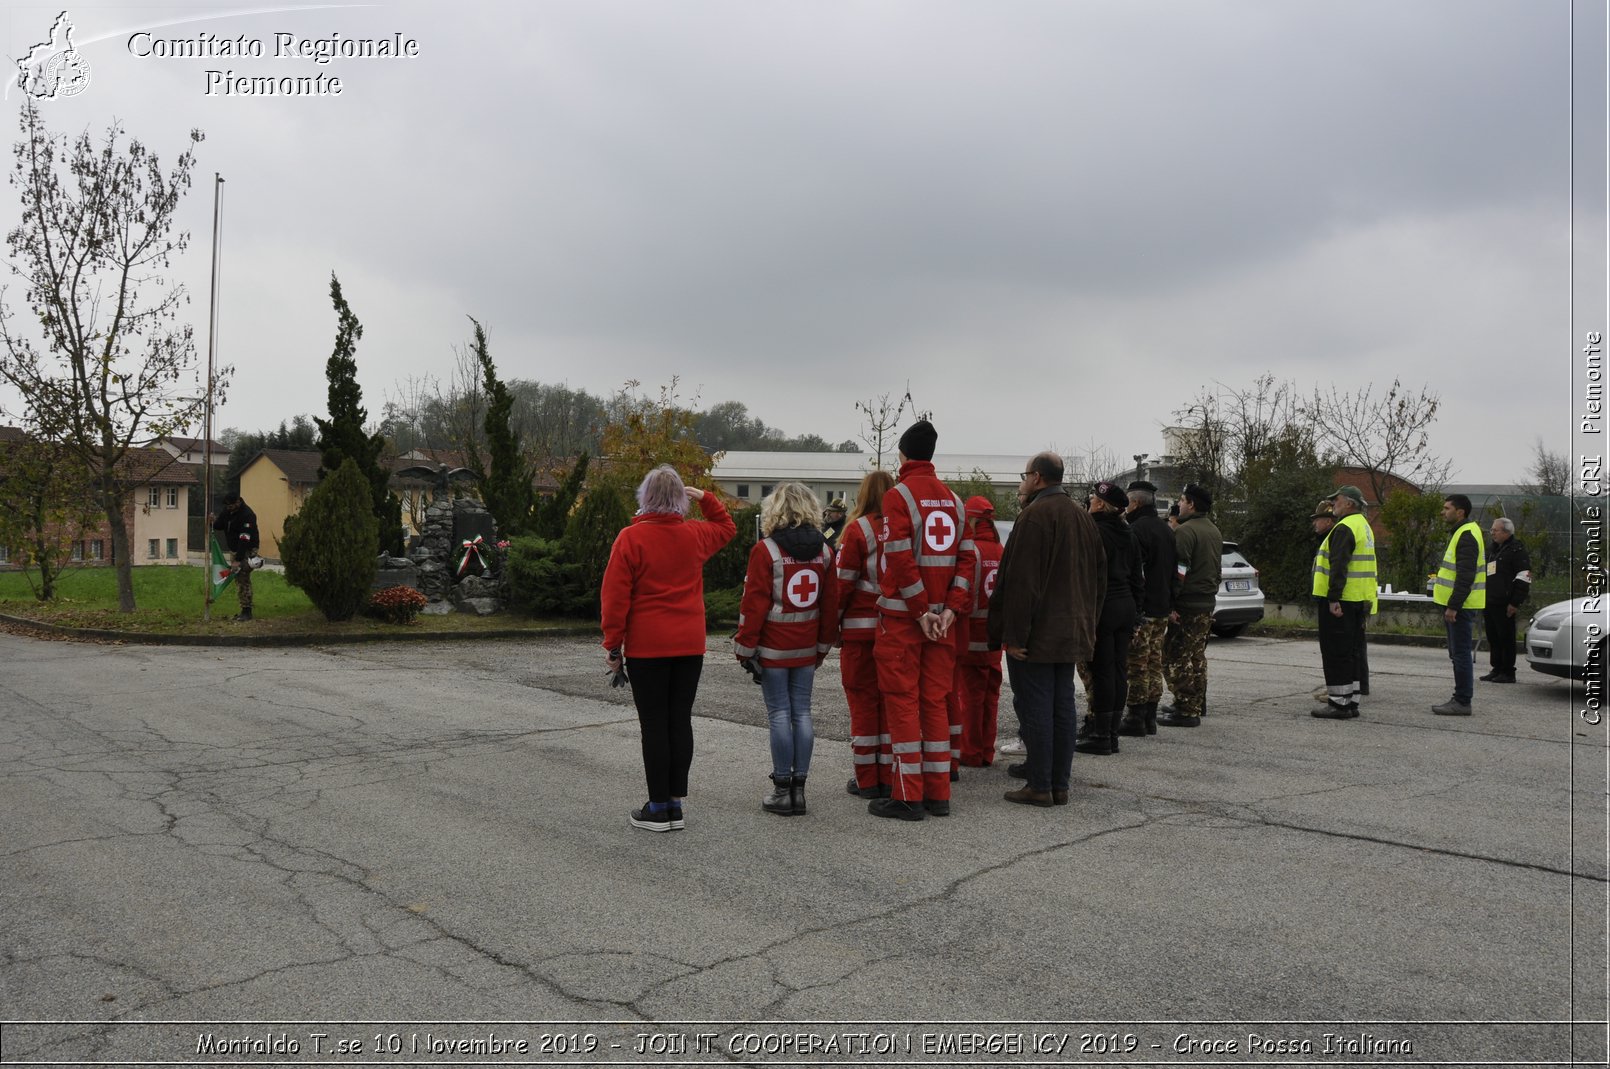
1146,662
1185,661
242,571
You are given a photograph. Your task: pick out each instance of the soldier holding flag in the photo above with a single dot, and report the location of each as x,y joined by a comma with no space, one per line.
237,530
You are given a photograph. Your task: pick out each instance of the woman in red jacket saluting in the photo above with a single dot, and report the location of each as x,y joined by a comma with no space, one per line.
788,621
653,616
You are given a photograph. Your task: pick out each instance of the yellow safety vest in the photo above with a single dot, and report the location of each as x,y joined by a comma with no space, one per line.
1449,572
1361,578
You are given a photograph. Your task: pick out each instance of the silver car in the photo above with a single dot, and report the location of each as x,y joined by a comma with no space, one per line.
1240,598
1567,638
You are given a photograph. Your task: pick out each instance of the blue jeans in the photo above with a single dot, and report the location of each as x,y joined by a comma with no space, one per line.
787,692
1043,696
1462,651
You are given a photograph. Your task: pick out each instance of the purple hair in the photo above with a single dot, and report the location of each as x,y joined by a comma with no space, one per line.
662,491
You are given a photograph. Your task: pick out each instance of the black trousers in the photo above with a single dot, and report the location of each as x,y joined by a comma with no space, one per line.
1339,641
663,689
1361,653
1500,638
1109,669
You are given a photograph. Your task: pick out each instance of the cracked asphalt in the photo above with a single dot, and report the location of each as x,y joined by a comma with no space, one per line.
438,833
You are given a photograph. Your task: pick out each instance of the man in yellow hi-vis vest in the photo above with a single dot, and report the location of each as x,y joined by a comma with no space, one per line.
1461,590
1346,592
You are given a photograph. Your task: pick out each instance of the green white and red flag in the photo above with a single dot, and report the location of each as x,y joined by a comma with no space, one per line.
220,569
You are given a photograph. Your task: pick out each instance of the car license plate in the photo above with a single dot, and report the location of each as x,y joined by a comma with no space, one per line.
1238,584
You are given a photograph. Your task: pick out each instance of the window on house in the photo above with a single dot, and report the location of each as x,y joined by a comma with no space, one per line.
173,497
173,549
97,549
5,554
78,551
153,497
765,489
153,548
743,491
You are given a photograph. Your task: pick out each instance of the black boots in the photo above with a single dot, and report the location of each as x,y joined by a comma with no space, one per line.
1101,739
1140,719
780,799
786,797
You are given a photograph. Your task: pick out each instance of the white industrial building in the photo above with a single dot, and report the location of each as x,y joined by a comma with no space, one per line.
751,475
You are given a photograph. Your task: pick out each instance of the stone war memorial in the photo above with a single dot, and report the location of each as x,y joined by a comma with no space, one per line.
456,563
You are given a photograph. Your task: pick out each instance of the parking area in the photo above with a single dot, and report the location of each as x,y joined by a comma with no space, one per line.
437,833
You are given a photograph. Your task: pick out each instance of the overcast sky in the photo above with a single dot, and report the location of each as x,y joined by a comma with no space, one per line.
1058,220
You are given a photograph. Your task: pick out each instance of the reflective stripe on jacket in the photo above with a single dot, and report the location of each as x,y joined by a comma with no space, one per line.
925,563
858,582
1448,574
1361,582
789,612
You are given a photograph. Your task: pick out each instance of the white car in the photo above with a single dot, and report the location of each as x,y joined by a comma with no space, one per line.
1240,598
1567,638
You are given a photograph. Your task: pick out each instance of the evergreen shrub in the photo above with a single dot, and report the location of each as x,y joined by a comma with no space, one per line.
330,546
721,606
590,535
731,562
543,580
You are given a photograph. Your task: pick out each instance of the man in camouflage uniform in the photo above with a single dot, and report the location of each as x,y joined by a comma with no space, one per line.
1198,552
237,531
1157,557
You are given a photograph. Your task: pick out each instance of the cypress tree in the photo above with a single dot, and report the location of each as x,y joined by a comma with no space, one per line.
342,436
507,488
328,547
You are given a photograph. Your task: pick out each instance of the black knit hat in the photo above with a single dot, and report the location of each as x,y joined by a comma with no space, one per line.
1142,484
919,440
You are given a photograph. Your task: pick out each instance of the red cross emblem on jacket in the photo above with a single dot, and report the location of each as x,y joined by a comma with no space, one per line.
802,590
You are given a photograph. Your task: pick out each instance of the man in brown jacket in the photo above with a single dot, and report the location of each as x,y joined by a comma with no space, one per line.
1043,612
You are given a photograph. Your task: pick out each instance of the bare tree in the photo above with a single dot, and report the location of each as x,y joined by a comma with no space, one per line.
883,418
1089,465
110,366
1383,435
1549,474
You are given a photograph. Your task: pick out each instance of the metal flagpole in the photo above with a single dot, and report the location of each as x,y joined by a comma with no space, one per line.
212,364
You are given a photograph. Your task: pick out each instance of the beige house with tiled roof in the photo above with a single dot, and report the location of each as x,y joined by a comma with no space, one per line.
274,484
159,492
156,507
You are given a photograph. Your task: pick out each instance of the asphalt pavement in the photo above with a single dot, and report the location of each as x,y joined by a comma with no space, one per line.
422,851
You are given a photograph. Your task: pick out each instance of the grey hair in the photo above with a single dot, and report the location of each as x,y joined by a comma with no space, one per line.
1505,524
1143,498
661,491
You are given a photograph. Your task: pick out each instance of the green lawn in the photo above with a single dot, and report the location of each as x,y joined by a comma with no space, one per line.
169,600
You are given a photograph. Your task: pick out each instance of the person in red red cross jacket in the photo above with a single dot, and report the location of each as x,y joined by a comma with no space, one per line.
925,582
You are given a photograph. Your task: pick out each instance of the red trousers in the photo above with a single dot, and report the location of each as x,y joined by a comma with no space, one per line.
977,699
869,735
916,676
